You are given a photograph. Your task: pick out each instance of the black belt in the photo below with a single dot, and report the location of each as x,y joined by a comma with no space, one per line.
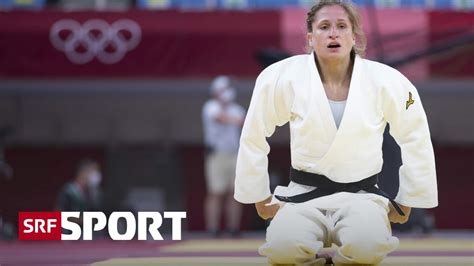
325,186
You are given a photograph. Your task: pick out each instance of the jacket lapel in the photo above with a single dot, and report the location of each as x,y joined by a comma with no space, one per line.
339,139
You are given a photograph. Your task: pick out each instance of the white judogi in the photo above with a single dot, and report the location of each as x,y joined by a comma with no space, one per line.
291,91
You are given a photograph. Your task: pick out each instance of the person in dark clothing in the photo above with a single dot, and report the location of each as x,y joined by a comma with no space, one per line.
83,193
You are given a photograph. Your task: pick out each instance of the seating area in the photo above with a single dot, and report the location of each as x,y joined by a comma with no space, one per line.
222,4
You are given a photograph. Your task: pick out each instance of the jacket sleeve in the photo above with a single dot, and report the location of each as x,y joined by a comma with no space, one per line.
269,107
409,127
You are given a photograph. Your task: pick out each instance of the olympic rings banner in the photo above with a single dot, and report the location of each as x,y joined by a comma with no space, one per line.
141,44
95,36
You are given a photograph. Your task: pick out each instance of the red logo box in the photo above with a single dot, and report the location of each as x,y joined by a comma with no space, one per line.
39,225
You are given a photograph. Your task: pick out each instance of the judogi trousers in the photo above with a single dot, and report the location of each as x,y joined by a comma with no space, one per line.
360,228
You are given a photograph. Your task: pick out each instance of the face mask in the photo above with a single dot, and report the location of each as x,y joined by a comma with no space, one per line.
94,179
227,96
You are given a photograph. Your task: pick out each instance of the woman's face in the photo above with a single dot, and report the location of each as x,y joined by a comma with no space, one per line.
332,36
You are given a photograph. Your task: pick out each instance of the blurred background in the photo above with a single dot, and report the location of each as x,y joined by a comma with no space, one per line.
132,101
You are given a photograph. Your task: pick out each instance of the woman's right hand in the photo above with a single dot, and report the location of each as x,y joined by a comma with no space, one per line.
266,212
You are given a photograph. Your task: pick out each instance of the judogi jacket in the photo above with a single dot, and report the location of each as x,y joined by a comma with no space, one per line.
292,91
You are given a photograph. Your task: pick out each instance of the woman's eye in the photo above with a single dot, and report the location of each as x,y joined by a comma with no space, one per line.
342,26
324,27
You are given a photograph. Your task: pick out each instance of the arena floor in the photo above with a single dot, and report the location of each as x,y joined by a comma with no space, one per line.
437,249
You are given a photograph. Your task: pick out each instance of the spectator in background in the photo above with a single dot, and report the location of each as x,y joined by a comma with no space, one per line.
6,175
222,119
6,172
83,193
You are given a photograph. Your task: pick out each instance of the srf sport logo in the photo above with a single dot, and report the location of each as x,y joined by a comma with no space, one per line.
67,225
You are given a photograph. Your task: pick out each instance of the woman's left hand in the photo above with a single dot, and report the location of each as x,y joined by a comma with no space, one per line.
395,217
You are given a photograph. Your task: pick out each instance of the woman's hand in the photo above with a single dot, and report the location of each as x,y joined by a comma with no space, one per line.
395,217
266,212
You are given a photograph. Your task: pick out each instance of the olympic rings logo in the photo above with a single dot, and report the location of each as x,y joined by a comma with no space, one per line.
95,38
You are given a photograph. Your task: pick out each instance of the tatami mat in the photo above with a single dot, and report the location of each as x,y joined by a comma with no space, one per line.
257,261
230,252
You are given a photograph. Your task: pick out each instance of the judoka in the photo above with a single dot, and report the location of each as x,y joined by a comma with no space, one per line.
338,105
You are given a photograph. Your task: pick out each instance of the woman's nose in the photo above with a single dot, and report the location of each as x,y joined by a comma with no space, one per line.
333,33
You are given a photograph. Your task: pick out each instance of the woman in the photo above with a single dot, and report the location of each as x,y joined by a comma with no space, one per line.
338,105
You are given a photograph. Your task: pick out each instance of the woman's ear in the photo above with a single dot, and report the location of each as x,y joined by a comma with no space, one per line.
309,38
